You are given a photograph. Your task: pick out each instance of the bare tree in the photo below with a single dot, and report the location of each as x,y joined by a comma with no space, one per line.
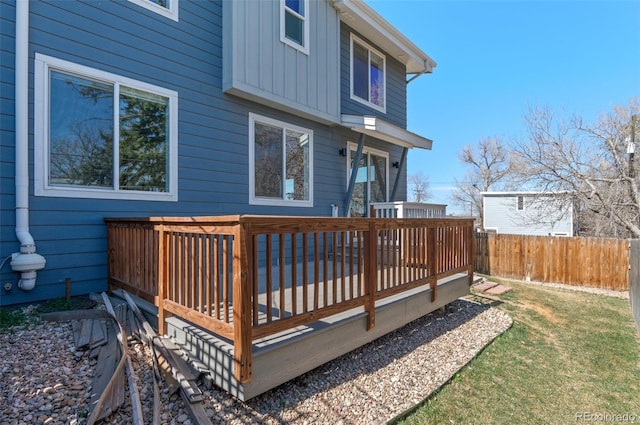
489,165
419,184
589,163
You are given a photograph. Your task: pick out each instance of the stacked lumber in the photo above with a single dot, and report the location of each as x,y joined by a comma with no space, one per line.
105,335
170,362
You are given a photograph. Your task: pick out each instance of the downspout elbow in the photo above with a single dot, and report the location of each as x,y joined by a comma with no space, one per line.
27,244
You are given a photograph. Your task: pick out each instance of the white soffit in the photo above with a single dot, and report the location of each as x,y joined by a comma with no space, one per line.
362,18
375,127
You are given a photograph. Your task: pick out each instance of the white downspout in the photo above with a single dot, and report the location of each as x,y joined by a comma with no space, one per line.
27,262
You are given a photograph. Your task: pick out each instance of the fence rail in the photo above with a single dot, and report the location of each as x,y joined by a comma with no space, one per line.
246,277
578,261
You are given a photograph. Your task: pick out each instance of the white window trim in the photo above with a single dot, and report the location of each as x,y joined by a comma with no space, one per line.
43,65
304,48
171,12
524,203
257,200
367,150
382,108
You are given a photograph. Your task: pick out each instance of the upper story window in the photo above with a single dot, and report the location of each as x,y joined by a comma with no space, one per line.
368,70
167,8
294,24
520,203
280,163
100,135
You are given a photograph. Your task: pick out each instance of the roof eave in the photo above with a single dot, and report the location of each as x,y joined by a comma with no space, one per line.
361,17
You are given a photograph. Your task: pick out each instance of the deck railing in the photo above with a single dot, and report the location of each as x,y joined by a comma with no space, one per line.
247,277
402,209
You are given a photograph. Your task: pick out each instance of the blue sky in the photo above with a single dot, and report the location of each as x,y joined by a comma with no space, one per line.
496,59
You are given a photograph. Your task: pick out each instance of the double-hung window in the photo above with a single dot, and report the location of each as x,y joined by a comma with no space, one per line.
368,70
280,163
294,24
100,135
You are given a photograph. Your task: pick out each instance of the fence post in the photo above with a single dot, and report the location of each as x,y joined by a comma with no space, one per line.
634,280
242,323
471,250
371,271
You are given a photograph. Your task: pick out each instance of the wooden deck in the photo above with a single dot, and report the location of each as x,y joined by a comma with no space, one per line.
233,288
281,357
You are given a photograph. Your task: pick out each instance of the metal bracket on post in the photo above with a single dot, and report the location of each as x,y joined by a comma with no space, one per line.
400,167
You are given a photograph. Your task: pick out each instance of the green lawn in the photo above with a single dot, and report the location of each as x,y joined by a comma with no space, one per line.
570,357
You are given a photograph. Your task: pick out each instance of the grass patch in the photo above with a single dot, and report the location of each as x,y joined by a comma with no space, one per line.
62,304
568,352
11,316
25,316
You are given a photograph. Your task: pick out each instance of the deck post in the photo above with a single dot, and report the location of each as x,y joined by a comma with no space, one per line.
242,315
162,278
432,260
371,271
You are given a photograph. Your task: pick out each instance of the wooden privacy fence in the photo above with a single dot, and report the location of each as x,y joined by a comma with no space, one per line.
246,277
593,262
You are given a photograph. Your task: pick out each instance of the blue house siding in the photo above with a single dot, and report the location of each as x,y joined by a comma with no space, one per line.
396,92
213,141
7,135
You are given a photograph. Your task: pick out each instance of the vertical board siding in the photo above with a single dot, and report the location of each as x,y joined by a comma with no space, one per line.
258,63
593,262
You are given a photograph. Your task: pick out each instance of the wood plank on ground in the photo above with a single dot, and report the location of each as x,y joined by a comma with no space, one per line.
107,390
98,336
178,367
161,364
134,395
58,316
85,334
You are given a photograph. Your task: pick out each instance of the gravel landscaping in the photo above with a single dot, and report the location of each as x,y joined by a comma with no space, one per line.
45,381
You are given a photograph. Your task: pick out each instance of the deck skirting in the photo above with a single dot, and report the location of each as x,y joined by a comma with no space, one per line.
282,357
